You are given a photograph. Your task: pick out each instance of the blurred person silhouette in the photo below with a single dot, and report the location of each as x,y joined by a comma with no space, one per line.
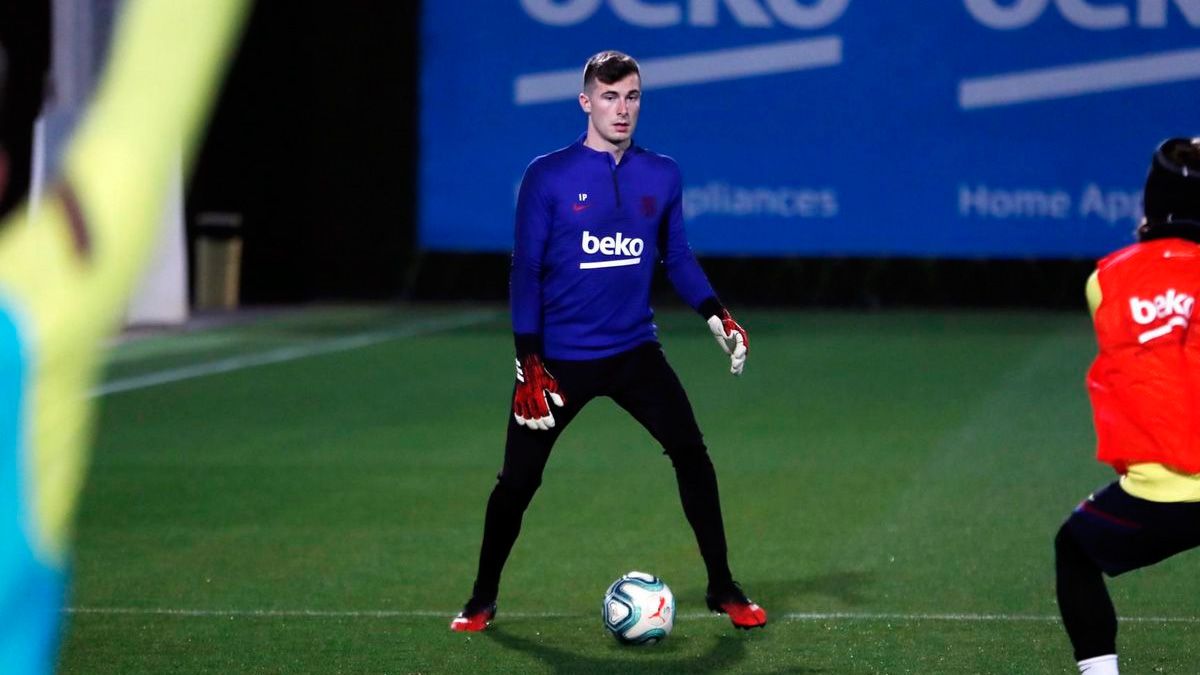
1145,392
68,265
24,65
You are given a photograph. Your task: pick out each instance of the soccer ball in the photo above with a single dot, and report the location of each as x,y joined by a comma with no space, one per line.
639,609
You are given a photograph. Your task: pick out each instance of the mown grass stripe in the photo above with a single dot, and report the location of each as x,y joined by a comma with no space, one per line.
291,353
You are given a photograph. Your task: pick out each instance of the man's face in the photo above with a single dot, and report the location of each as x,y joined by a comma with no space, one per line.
613,109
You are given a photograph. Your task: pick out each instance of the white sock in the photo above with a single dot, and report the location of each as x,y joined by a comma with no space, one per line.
1099,665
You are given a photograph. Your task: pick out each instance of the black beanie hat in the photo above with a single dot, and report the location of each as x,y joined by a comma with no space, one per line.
1172,190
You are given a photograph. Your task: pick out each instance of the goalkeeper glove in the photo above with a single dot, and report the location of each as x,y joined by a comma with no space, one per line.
535,385
732,338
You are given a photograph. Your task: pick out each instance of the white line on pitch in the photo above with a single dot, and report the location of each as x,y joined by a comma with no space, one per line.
1079,79
292,353
424,613
695,68
286,613
868,616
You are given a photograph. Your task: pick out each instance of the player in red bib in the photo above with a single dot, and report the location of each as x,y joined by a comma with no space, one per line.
1145,391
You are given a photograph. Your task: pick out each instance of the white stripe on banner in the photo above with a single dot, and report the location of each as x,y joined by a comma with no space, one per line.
697,68
609,263
1079,79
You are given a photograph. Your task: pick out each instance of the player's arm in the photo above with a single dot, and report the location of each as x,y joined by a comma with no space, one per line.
144,121
693,286
536,387
1094,295
68,263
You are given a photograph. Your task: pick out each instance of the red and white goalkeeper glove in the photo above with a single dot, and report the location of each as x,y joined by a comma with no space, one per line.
732,338
535,385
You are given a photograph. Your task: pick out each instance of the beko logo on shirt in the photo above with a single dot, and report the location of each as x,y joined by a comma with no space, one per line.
1173,306
631,249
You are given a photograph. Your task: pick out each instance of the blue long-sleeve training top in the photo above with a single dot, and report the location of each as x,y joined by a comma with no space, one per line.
589,232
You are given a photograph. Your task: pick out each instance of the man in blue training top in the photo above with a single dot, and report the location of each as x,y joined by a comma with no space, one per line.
592,220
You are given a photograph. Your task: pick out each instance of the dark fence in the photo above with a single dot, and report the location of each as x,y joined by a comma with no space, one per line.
856,283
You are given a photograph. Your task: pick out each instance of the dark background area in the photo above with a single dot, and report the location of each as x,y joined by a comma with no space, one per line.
852,283
25,36
314,142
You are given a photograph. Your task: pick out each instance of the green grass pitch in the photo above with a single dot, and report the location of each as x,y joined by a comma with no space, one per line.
891,484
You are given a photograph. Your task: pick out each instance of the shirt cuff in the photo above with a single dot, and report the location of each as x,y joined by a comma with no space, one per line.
710,307
527,343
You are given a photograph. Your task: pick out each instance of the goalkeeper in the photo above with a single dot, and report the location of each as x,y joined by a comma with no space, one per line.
593,219
67,269
1145,389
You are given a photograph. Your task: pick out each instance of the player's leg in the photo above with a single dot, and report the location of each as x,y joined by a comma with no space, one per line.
526,452
32,588
1112,532
1087,610
647,387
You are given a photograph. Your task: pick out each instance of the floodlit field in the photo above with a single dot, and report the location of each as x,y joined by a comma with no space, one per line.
305,493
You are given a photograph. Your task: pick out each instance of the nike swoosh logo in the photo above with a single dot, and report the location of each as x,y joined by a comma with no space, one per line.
580,207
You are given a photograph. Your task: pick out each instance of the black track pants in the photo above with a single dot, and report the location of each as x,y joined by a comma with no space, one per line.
643,383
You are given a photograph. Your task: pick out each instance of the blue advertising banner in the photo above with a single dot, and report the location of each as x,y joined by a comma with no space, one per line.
958,128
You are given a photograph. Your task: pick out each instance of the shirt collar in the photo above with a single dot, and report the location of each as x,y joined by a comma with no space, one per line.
633,148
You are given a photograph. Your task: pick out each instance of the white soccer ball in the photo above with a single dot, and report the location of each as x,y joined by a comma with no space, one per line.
639,609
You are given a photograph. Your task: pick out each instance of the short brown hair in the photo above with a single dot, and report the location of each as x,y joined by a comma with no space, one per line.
608,67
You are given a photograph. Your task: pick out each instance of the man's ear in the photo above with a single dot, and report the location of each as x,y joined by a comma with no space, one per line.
585,103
